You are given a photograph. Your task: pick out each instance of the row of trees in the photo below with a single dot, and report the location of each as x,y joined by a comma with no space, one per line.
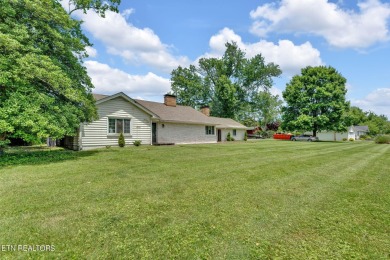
377,124
233,86
237,87
44,88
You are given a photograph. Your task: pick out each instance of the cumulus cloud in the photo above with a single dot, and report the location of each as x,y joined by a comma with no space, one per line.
135,45
92,52
341,28
377,101
109,80
290,57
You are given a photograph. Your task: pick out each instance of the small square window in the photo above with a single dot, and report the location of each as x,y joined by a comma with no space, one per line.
210,130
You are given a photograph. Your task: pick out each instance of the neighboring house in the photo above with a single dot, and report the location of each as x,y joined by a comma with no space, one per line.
253,130
354,132
152,123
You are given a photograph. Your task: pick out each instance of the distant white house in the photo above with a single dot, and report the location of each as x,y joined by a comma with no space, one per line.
354,132
357,131
152,123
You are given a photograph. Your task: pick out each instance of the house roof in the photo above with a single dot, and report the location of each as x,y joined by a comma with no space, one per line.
174,114
227,123
179,114
361,128
99,96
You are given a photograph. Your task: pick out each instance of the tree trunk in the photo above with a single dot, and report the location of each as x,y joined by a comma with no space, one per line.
315,130
2,143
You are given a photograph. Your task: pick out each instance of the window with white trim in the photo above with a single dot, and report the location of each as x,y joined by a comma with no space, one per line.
210,130
118,125
234,132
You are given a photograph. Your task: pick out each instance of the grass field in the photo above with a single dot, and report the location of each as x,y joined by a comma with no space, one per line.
254,200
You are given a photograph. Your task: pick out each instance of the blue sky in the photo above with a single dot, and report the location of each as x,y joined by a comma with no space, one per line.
136,50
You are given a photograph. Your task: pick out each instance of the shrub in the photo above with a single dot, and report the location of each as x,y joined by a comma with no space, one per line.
121,140
345,139
382,139
351,139
229,137
137,142
267,134
245,136
108,146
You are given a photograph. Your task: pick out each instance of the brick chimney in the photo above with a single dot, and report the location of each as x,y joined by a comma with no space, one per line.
205,110
170,100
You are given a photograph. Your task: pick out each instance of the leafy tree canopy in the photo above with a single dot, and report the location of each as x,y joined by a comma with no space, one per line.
377,124
44,88
315,101
228,84
266,108
98,6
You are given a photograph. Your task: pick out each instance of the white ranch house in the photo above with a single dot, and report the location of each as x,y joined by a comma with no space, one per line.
152,123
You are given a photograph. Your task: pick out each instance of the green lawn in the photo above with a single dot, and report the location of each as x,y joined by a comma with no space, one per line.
255,200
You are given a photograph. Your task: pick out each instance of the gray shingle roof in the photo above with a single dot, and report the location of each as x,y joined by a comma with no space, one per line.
99,96
227,123
361,128
179,114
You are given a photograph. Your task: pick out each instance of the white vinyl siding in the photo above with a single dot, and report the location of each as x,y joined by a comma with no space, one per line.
183,134
238,137
96,134
330,136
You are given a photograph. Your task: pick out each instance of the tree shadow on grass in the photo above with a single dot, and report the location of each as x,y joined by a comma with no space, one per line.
41,157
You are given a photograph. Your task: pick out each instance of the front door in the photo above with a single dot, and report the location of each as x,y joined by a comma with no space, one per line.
154,133
219,135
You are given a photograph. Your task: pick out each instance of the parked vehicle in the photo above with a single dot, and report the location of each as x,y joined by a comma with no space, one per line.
283,136
308,138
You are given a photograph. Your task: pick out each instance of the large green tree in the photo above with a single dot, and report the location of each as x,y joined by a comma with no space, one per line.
355,116
315,101
266,108
44,88
228,84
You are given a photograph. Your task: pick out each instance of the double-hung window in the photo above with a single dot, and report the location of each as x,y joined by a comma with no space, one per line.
118,125
210,130
234,132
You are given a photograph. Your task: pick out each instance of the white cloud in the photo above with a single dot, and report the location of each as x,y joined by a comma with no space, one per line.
276,91
341,28
137,46
92,52
109,80
290,57
377,101
127,12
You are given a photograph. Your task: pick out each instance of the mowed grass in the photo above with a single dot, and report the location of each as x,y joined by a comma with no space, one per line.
255,200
